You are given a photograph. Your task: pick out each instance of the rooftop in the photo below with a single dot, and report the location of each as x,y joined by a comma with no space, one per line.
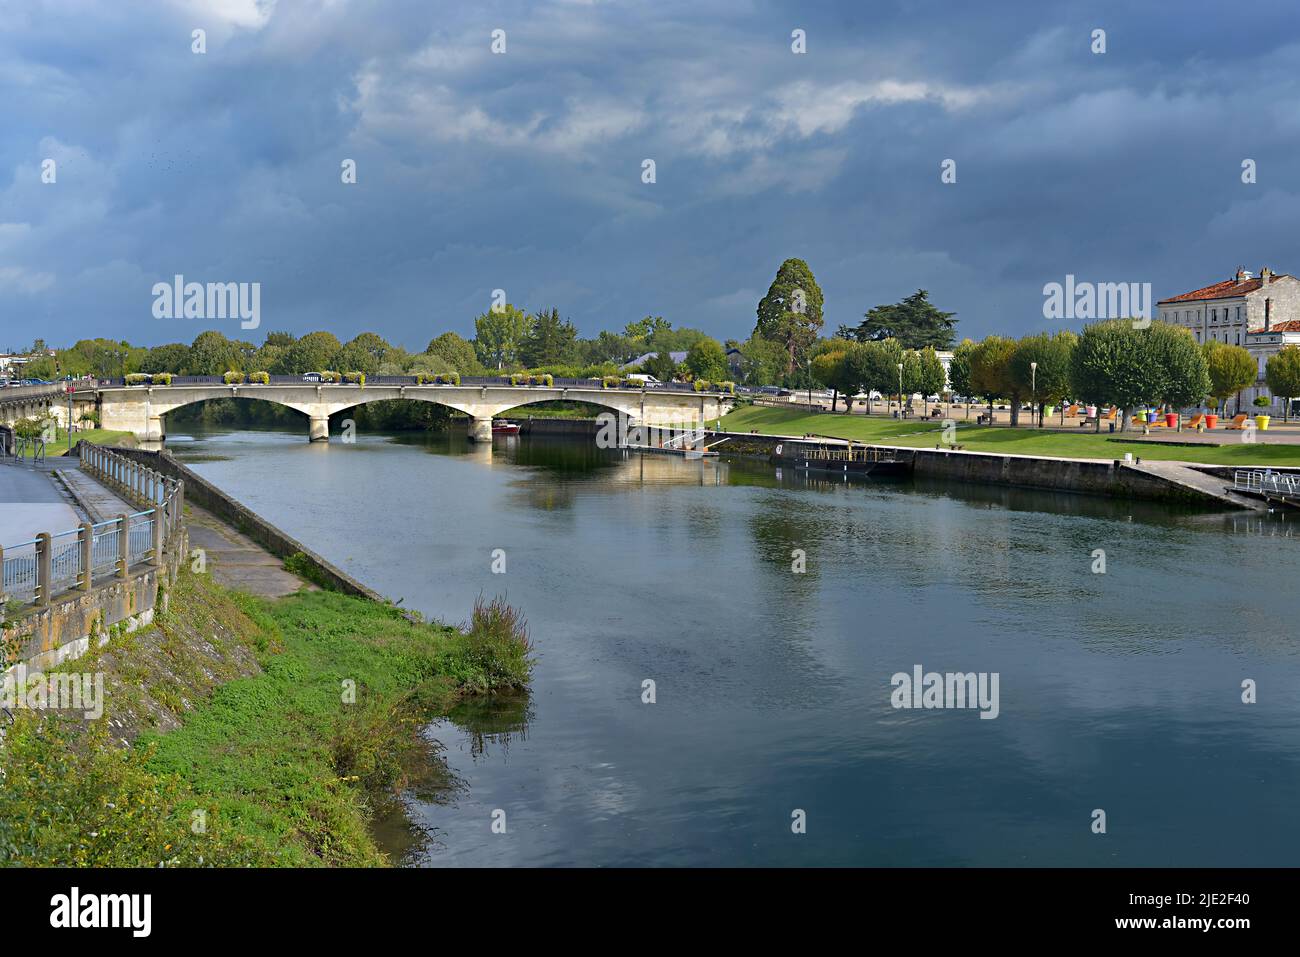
1239,285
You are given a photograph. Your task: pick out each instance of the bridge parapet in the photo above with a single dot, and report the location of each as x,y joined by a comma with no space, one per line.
140,408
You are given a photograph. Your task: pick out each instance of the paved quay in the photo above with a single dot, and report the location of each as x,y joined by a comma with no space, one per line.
30,503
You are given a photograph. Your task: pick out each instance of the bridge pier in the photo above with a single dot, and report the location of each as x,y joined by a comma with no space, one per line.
480,429
320,428
154,429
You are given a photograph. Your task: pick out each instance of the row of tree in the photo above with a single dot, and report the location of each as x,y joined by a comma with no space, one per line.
1120,363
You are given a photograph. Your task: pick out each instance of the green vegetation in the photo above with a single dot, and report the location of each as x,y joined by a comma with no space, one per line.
1022,441
914,323
94,436
791,312
285,763
1282,374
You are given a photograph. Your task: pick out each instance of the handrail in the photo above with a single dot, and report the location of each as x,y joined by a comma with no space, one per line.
558,382
33,572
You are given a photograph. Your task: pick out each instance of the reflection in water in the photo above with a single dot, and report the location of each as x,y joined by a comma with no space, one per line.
1119,690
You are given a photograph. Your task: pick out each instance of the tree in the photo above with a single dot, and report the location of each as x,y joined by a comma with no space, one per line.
874,365
457,351
791,312
833,367
1111,365
761,362
607,347
1282,375
550,341
706,360
212,354
281,339
1231,369
172,357
914,322
1050,381
923,373
499,335
959,372
990,374
312,353
661,366
1184,376
643,330
365,353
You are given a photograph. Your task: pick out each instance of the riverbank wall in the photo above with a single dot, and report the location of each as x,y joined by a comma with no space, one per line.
1113,479
239,516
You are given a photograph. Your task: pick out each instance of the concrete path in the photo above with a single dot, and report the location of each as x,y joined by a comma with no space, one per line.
100,504
30,503
236,561
1182,474
233,559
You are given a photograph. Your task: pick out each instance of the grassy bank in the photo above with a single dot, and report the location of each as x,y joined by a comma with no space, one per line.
1021,441
97,436
281,764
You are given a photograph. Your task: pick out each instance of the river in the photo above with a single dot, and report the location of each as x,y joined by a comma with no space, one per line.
1119,691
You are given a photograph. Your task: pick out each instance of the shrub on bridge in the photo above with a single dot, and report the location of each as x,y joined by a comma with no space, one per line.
233,378
727,387
437,378
138,378
521,378
355,378
162,378
261,378
328,376
702,385
610,382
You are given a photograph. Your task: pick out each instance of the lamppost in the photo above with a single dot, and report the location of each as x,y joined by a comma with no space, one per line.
68,392
1033,389
810,384
900,390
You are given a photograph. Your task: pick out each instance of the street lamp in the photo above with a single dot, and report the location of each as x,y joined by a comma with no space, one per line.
810,384
1033,388
900,390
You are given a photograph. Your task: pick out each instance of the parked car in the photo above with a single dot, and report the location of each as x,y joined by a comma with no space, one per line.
642,377
313,377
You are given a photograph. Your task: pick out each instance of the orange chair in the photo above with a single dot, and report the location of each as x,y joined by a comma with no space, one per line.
1195,420
1238,422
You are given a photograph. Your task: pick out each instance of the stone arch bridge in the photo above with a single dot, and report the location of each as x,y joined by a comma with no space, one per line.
140,408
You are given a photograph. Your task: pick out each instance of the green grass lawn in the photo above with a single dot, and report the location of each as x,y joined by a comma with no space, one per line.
1022,441
98,436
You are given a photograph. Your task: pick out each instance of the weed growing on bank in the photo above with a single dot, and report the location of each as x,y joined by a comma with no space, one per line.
280,767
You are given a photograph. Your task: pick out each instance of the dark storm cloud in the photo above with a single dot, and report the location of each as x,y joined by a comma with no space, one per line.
522,171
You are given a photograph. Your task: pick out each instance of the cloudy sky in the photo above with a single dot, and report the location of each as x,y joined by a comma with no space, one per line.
523,170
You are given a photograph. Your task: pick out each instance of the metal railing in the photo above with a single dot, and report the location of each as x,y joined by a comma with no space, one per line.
75,559
410,380
1263,481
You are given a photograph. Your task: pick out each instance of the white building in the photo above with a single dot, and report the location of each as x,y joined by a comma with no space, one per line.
1260,314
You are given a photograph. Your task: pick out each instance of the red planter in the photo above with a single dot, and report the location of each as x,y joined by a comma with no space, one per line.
1211,421
1171,420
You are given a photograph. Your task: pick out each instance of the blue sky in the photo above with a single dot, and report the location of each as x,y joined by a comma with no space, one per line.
522,171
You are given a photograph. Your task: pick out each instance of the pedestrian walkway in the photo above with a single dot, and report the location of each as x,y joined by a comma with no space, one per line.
235,560
1188,477
100,504
31,503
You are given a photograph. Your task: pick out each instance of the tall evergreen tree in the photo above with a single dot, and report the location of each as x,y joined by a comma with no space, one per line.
791,312
914,322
